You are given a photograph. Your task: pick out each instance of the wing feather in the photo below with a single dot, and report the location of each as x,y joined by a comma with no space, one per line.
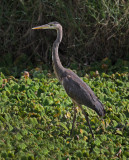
78,90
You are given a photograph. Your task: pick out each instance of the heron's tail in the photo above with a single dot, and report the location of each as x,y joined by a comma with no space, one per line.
99,108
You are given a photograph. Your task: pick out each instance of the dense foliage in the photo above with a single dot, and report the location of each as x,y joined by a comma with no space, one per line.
35,112
36,118
92,30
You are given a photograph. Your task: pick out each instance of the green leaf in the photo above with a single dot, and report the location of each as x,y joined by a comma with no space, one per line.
2,119
127,84
24,132
18,136
45,151
4,155
111,149
116,118
10,127
126,153
96,150
103,137
22,145
97,141
119,132
63,125
33,121
79,154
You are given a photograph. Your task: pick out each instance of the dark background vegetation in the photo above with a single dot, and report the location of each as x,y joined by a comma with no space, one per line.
93,30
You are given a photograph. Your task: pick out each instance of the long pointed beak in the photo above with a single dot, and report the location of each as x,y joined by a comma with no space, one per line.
46,26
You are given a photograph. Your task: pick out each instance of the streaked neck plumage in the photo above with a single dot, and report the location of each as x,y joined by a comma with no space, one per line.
58,68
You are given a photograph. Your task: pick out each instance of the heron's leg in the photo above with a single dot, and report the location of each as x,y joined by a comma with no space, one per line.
74,117
87,119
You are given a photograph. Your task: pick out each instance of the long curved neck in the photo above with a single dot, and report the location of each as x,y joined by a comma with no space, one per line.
58,68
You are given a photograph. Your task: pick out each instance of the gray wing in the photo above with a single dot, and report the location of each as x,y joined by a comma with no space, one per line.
80,92
77,89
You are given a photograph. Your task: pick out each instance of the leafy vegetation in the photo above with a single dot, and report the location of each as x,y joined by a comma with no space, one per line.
36,118
35,113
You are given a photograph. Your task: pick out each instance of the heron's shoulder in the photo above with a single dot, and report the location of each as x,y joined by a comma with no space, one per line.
69,74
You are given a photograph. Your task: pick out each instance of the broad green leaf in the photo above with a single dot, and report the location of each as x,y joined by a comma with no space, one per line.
63,125
18,136
119,132
97,141
22,145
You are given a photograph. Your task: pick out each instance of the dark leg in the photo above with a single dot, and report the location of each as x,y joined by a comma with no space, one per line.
87,119
74,117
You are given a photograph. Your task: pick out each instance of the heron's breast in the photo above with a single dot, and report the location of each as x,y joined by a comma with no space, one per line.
57,75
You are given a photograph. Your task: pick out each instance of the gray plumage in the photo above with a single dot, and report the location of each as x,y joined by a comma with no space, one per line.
80,92
77,89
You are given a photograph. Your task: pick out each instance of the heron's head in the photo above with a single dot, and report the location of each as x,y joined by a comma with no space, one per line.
51,25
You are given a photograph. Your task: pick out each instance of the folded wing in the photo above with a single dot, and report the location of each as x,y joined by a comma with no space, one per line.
81,93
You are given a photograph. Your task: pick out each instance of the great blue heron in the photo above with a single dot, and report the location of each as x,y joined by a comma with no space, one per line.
77,90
